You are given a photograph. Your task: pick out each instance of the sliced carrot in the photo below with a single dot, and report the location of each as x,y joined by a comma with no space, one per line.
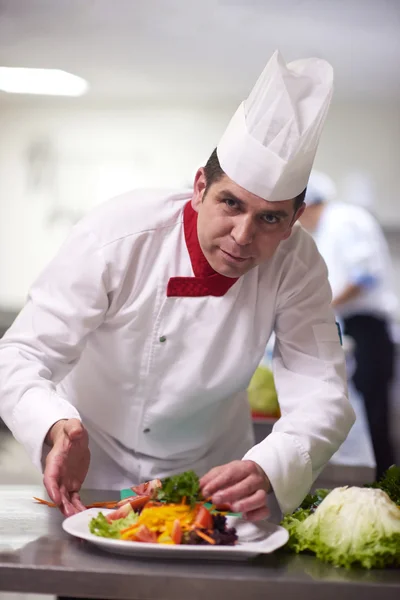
46,502
106,504
183,500
205,537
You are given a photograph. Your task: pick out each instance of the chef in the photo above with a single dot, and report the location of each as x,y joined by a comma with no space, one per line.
131,358
358,260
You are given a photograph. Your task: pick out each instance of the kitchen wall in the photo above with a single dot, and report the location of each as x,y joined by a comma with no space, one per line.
58,162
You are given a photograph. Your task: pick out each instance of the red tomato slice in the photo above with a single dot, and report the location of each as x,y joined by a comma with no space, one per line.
140,489
138,501
120,513
153,486
144,534
204,518
123,502
176,534
149,487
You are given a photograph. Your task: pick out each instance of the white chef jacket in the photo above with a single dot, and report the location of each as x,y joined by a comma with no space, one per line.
159,381
356,252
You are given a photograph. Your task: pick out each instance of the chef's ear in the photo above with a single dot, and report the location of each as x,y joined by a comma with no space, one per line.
299,212
296,216
199,188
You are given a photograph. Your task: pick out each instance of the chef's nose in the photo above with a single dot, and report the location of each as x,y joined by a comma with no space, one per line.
243,230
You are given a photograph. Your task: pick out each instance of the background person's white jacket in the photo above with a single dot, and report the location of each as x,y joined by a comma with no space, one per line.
355,251
159,381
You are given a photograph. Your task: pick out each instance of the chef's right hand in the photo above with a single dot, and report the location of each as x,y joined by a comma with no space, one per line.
67,464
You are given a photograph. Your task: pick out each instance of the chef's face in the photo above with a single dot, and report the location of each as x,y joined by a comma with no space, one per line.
236,229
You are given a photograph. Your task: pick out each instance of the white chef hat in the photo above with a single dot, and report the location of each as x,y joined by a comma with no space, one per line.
270,143
320,188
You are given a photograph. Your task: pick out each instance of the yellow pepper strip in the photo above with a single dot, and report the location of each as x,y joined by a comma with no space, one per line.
164,538
126,533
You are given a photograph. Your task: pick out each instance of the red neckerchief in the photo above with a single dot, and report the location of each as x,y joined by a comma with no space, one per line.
206,281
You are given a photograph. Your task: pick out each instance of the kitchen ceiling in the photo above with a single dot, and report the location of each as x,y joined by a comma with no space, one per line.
201,51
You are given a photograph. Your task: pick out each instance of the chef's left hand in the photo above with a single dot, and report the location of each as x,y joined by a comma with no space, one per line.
242,484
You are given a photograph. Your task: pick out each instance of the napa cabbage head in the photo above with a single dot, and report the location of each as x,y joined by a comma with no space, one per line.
352,525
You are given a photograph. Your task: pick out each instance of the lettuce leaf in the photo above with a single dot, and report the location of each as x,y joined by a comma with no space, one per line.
311,501
351,526
291,523
101,527
389,483
307,507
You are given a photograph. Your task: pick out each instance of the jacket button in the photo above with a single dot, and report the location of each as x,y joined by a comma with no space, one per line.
147,430
163,339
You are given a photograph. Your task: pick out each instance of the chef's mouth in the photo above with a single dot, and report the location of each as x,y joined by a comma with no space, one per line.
233,257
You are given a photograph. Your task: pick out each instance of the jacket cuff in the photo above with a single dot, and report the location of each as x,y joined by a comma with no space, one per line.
288,467
30,424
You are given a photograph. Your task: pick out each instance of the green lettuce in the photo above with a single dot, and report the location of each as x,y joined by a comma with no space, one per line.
175,488
389,483
101,527
311,501
307,507
352,525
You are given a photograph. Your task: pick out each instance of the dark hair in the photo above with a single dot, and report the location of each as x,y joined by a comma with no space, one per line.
299,200
212,170
214,173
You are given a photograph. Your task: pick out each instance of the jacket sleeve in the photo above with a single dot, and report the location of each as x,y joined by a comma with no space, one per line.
67,301
310,377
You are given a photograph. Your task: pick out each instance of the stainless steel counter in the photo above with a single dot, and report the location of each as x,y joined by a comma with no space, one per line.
36,556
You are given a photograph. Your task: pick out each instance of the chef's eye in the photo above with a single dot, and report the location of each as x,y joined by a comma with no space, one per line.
231,203
270,219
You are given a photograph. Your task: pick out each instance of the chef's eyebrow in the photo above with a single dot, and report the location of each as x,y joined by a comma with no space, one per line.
276,213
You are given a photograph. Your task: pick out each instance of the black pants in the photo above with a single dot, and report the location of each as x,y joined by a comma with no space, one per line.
374,356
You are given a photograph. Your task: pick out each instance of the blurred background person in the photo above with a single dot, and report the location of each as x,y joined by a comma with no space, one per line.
357,256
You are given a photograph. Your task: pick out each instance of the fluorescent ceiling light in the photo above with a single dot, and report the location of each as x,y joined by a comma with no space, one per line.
52,82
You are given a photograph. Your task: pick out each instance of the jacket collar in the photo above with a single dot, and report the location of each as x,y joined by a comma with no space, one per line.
206,281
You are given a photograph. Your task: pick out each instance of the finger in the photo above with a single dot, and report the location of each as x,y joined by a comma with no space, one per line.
67,508
228,475
210,476
76,502
244,488
52,488
52,475
74,429
217,471
253,502
257,515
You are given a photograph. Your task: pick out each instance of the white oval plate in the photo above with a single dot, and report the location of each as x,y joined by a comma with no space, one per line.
254,539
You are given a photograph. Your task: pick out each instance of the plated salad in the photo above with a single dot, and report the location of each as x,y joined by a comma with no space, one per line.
171,511
346,526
